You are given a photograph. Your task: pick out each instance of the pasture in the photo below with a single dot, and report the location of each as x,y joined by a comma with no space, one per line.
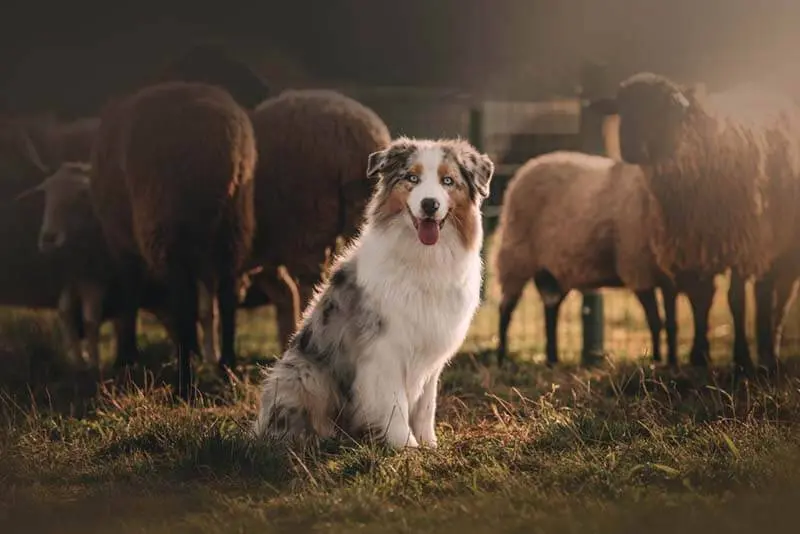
617,448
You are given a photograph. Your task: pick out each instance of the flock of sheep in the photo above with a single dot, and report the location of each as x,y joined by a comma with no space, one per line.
178,186
708,182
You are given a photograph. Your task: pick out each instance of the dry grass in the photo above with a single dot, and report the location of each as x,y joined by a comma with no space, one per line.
619,448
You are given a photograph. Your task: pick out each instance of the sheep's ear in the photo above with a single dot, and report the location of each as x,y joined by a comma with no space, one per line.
28,192
477,169
681,99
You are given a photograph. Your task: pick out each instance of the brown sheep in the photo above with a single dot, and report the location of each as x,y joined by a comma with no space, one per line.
576,221
312,147
172,186
725,171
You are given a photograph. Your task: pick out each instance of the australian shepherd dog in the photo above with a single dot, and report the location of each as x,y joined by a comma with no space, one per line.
366,358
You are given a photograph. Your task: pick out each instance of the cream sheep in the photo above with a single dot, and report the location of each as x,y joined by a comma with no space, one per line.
576,221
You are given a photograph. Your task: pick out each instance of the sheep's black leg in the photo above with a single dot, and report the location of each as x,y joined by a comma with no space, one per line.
765,287
551,309
649,303
227,297
131,281
552,296
508,304
701,294
737,304
183,306
670,294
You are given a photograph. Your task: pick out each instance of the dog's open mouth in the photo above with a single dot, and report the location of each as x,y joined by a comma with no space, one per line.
428,228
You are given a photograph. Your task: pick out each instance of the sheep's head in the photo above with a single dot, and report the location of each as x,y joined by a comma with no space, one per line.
66,208
651,110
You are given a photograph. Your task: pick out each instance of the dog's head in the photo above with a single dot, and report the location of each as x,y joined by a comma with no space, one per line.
431,184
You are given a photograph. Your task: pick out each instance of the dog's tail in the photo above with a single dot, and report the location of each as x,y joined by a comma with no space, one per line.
297,402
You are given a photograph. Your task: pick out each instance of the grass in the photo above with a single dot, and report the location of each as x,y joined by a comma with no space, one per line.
622,447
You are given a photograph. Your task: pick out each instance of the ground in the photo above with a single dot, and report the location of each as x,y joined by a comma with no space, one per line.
621,447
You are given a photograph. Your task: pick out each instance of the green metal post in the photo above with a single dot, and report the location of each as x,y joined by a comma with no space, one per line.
592,324
489,222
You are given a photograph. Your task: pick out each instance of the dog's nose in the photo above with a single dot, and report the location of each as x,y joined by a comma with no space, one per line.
429,206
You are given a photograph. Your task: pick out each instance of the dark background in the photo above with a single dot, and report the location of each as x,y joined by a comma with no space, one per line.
69,57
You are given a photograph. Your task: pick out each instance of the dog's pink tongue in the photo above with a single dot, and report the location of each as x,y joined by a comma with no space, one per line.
428,232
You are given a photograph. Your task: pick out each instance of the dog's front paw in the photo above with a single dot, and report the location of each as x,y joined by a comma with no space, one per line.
401,438
428,439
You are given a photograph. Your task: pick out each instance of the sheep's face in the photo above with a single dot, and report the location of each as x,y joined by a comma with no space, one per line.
429,184
651,112
66,206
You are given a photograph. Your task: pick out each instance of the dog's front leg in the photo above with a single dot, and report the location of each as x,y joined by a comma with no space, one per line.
423,414
382,402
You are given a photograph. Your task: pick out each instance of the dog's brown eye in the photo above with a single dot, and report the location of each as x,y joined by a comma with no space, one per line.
448,180
413,178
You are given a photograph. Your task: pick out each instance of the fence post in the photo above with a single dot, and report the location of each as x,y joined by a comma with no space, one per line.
594,84
489,222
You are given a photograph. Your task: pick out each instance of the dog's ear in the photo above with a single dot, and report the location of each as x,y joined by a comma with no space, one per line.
477,168
375,162
389,160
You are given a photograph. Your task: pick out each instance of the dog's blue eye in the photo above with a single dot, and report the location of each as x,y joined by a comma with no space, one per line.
413,178
447,180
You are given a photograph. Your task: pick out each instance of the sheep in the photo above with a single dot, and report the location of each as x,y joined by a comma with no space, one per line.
26,278
172,186
725,171
571,220
70,212
312,146
70,234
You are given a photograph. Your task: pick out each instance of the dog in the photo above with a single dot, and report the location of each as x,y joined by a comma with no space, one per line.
366,358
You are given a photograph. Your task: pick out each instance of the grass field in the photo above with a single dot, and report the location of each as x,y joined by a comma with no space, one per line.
618,448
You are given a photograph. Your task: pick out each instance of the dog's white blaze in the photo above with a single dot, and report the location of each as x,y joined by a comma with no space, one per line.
429,158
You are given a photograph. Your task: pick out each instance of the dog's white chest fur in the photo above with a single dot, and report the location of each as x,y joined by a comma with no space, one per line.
428,296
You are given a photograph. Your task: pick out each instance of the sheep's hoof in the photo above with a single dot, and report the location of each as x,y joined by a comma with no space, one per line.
699,359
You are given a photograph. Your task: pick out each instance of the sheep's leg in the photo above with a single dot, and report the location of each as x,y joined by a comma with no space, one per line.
92,304
183,304
551,329
647,298
670,294
552,296
209,320
131,279
305,291
701,294
511,293
283,293
227,295
785,293
69,328
738,305
765,289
